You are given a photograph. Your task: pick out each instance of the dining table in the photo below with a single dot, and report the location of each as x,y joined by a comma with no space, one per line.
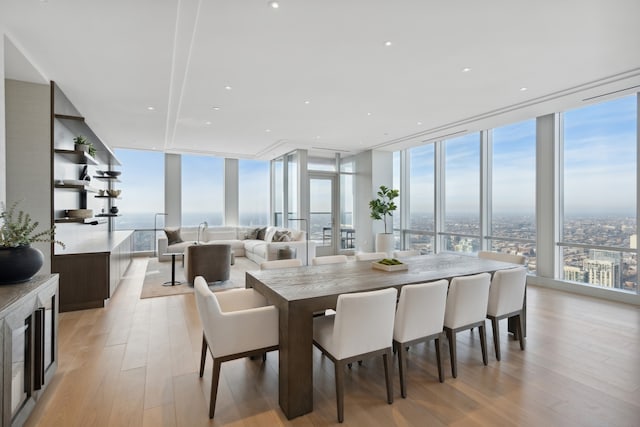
300,292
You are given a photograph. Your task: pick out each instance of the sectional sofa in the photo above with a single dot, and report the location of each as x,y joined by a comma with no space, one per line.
256,243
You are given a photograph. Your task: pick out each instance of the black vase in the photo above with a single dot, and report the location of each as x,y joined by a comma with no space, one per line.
19,264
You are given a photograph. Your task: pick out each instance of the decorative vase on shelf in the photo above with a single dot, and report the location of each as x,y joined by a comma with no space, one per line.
19,264
113,210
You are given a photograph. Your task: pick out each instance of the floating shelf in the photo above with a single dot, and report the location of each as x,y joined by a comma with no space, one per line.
107,178
85,187
78,157
90,221
107,197
107,215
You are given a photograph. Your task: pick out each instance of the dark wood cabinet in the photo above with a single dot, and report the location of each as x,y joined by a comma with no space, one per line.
29,344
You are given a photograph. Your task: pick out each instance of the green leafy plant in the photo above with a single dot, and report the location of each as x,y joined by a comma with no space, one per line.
81,140
21,230
383,206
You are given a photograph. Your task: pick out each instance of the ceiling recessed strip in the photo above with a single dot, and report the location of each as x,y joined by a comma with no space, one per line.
611,93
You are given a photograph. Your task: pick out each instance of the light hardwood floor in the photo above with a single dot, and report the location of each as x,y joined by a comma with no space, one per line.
135,363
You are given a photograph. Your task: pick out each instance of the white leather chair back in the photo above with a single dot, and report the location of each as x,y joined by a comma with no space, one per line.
467,300
406,254
235,320
364,322
420,311
281,263
370,256
499,256
331,259
506,293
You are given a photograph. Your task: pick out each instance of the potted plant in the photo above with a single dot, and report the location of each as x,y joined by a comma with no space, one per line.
18,260
81,144
381,208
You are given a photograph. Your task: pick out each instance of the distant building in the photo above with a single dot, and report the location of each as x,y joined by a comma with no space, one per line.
603,268
574,274
633,241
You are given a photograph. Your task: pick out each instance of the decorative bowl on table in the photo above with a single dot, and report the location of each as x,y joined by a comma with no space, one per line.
389,264
114,193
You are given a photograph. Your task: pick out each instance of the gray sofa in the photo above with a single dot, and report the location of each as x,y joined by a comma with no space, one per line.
242,242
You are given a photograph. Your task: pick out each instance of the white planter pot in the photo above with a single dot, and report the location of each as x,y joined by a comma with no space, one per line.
385,242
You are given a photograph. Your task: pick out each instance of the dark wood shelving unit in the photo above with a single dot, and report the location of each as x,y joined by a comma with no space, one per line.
107,178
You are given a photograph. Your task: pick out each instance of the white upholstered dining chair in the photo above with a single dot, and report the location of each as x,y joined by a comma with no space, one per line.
466,308
506,300
280,263
236,323
361,328
370,256
419,317
330,259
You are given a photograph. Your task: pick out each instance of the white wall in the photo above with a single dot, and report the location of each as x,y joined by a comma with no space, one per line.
230,188
3,163
173,189
28,154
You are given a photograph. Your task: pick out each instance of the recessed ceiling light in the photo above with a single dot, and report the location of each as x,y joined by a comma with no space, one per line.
307,102
267,130
207,123
274,4
216,108
228,87
466,69
150,108
317,136
368,114
419,123
388,43
522,89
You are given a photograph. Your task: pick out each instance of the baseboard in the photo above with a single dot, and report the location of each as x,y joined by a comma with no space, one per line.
584,289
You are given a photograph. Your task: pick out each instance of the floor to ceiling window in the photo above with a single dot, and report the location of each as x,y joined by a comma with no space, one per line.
142,195
513,190
599,229
420,232
202,190
253,189
461,226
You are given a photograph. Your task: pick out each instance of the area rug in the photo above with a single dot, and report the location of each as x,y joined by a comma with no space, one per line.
160,272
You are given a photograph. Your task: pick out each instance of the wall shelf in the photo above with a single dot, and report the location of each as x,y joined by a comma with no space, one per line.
84,187
107,197
107,178
78,157
107,215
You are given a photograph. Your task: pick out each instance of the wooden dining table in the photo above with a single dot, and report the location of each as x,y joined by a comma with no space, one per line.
300,292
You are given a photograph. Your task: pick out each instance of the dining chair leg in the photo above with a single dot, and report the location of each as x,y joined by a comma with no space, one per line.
483,344
215,377
203,355
439,360
519,330
451,336
386,358
495,325
339,367
402,360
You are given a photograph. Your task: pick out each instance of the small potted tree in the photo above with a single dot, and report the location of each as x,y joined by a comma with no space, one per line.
381,208
81,144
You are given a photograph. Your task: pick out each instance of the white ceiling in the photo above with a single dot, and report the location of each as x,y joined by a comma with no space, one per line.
114,59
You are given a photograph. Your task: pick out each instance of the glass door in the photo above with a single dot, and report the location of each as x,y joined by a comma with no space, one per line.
322,208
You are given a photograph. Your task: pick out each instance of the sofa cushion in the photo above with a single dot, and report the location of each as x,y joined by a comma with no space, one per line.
178,248
261,233
250,245
296,235
173,235
221,235
281,236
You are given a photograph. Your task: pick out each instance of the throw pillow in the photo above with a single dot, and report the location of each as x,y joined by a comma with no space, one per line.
261,233
253,234
173,235
277,237
284,238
